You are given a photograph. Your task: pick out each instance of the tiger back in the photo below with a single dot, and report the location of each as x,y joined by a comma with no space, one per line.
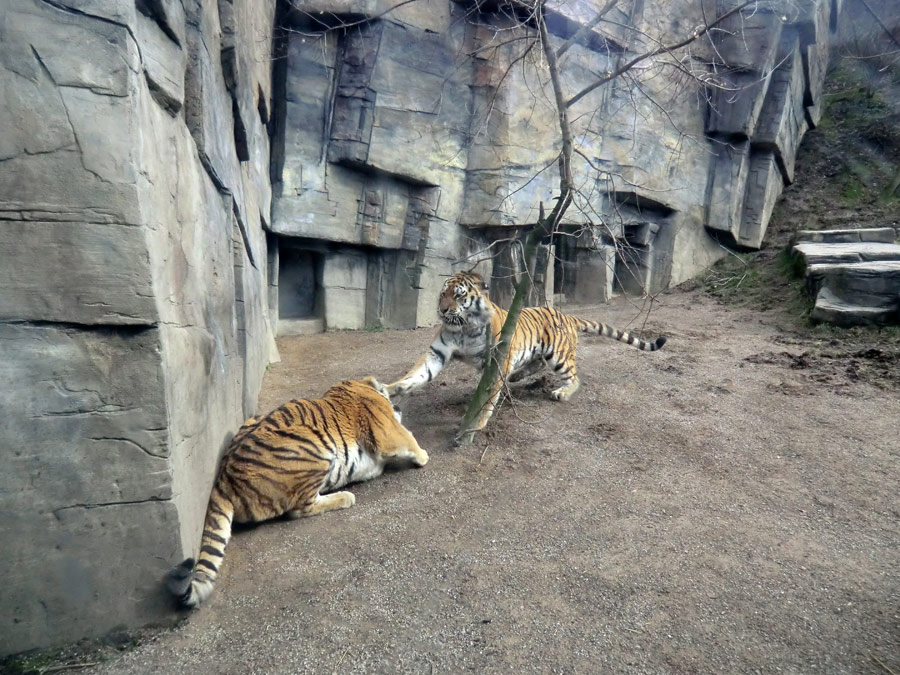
470,323
284,462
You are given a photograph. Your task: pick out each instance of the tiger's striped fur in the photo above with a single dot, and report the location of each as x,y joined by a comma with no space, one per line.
281,463
543,335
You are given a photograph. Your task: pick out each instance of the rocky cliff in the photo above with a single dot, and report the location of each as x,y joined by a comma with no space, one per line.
134,186
412,142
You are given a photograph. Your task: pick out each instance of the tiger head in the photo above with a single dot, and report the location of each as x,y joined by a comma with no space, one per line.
464,301
381,389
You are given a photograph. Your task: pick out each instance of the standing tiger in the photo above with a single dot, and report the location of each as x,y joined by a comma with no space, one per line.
281,463
542,335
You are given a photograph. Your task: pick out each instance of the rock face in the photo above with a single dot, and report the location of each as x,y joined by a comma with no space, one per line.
177,175
134,184
852,275
413,142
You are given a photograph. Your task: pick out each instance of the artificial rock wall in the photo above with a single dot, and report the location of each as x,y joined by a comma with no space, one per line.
409,143
134,331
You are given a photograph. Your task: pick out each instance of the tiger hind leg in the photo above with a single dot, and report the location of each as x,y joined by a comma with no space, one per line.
531,368
324,503
565,368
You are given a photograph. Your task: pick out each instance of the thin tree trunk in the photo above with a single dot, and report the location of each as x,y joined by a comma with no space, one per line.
497,353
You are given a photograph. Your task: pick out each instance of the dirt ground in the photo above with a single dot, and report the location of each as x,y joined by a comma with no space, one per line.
727,504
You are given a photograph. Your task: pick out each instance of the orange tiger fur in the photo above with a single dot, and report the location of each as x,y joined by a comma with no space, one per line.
281,463
543,335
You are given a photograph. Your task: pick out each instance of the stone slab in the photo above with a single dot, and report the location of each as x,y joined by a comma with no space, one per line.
764,185
886,235
164,62
830,309
869,284
727,189
300,326
819,253
84,273
594,273
87,479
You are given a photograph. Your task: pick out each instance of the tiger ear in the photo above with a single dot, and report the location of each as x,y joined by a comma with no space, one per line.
377,386
479,280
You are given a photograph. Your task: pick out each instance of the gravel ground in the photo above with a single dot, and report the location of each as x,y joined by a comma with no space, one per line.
729,504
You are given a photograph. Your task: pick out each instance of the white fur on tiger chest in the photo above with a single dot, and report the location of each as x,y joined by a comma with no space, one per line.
470,347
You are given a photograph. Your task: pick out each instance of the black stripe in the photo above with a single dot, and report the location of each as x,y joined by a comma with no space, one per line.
212,551
214,508
208,534
374,417
207,565
325,424
323,444
335,419
249,487
439,355
295,456
270,467
304,442
287,416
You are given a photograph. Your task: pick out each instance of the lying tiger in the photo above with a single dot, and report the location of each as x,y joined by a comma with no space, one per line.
542,335
281,463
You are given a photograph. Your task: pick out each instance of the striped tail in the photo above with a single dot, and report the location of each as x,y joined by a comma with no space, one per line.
192,583
603,329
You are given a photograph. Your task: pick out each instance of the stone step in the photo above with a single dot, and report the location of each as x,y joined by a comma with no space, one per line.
825,253
887,235
867,284
831,309
300,326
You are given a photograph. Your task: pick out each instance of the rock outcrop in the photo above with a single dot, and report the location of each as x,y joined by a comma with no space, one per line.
134,186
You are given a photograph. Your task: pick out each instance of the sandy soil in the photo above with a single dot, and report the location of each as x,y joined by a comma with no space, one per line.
728,504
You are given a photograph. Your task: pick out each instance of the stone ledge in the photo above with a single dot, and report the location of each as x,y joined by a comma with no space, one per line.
300,326
814,253
869,284
887,235
830,309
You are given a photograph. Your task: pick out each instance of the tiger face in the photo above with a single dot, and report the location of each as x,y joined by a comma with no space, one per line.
464,300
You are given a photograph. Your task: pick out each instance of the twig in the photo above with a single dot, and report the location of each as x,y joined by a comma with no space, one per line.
69,666
484,453
662,49
883,665
337,667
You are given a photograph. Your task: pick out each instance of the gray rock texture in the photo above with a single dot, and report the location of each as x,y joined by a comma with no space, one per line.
417,140
134,183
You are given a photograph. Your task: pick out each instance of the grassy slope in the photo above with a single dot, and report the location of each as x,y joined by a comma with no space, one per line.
844,168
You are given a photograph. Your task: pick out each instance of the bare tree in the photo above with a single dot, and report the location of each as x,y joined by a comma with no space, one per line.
490,385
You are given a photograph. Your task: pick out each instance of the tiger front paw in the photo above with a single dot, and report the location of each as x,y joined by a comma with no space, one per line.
395,389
